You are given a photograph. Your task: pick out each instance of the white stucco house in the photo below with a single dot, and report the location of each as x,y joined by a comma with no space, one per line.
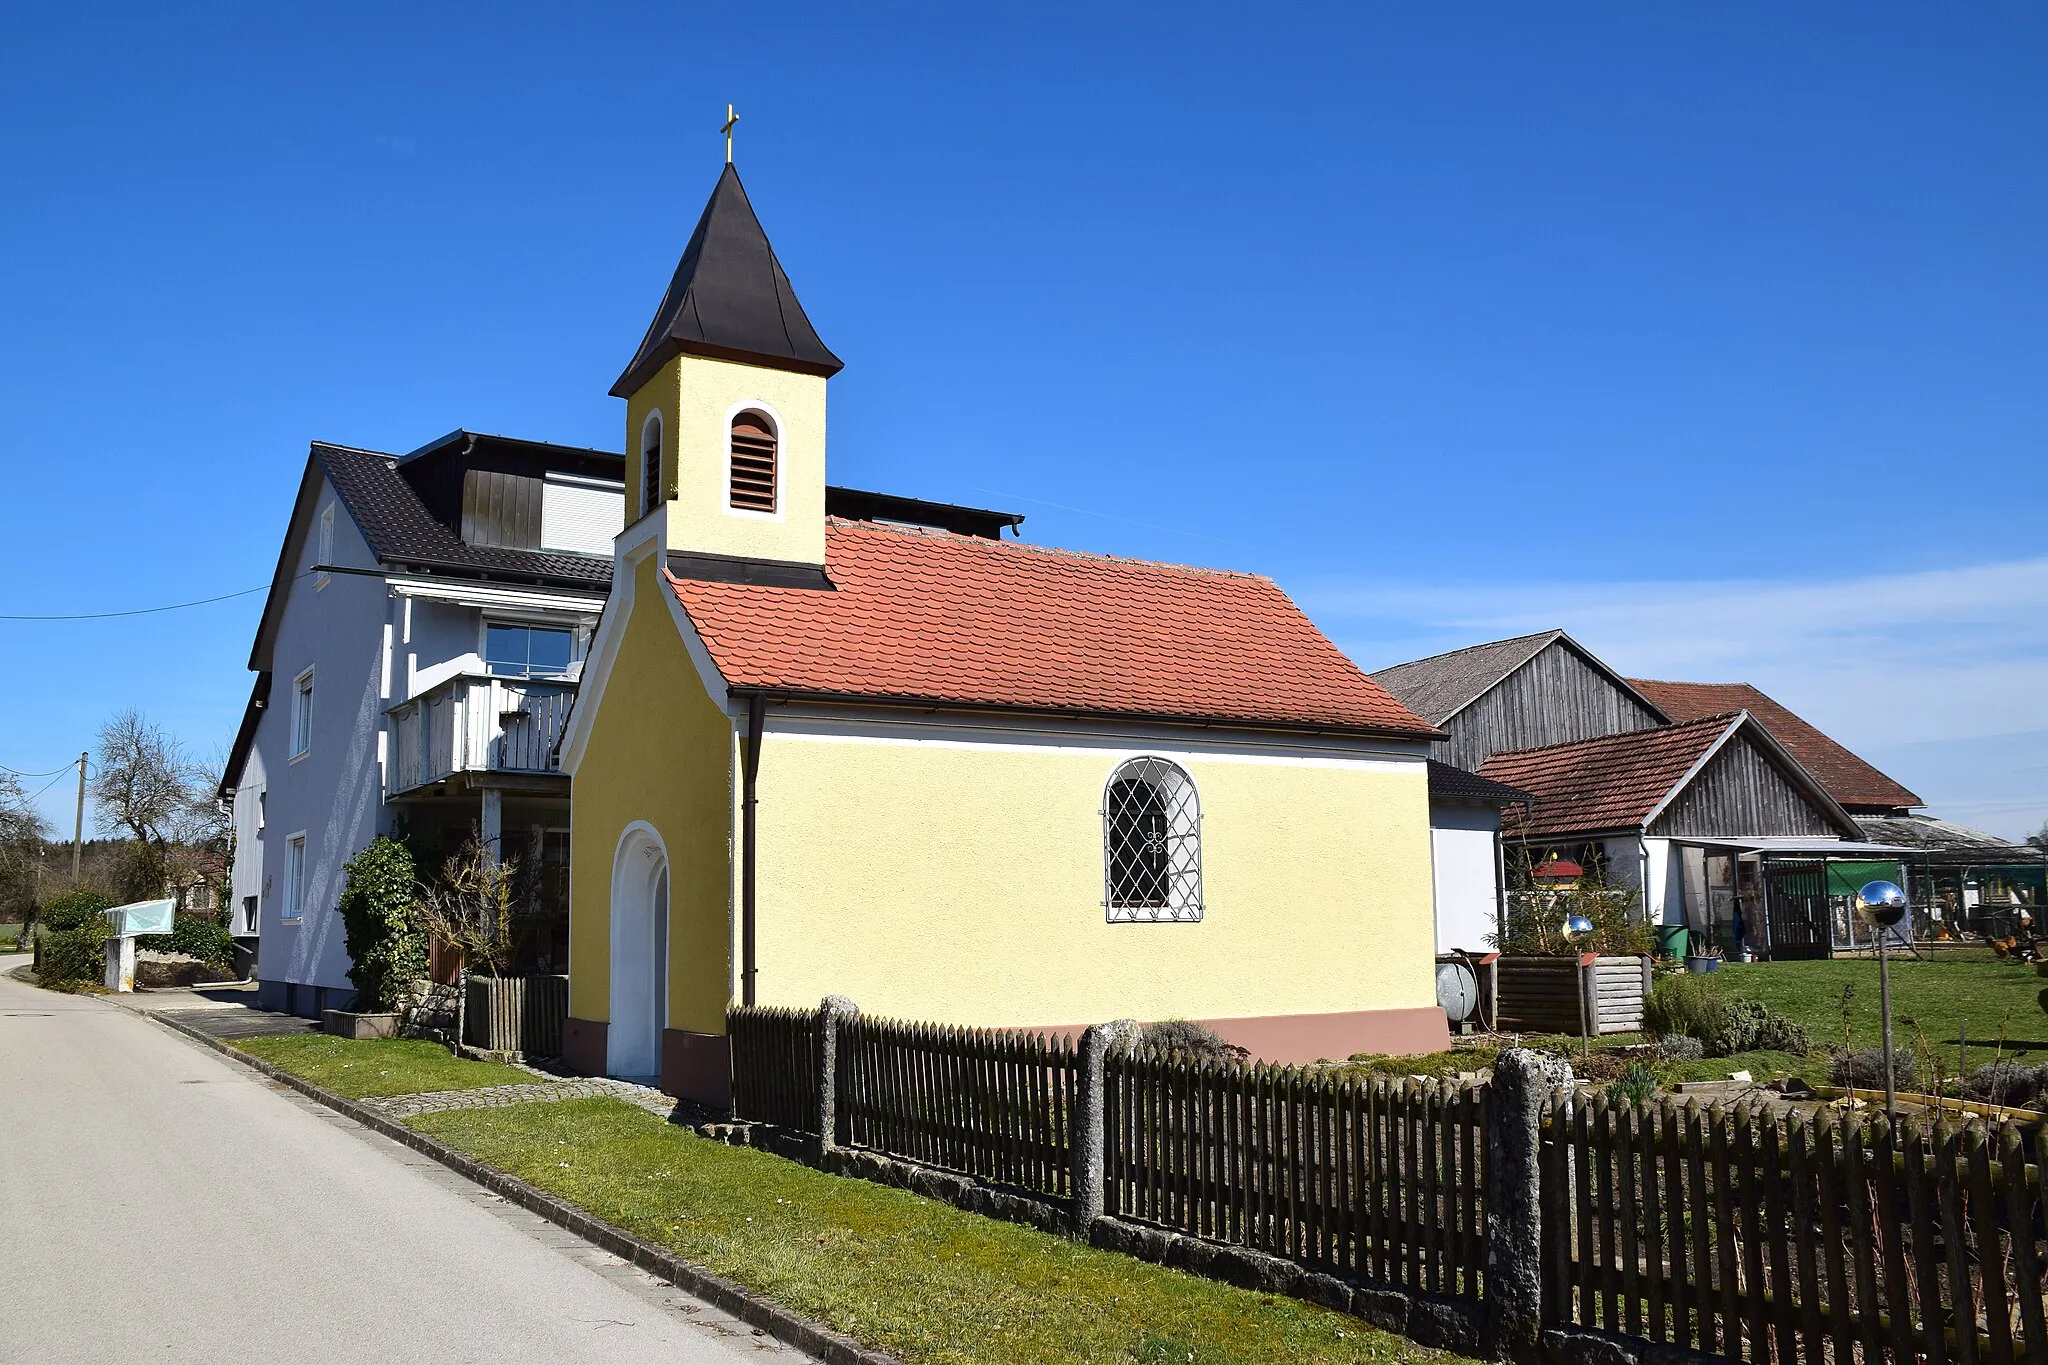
417,655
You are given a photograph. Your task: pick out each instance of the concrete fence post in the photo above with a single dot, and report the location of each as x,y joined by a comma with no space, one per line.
1523,1082
1097,1042
832,1010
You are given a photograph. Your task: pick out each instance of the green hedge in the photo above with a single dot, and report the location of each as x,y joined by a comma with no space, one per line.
73,910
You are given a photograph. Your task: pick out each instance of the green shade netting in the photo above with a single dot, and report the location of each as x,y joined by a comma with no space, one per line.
1846,879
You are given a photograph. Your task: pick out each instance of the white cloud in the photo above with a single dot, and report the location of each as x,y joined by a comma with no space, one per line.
1935,670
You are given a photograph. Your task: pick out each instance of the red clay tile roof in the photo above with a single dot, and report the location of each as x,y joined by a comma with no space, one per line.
922,615
1851,781
1613,782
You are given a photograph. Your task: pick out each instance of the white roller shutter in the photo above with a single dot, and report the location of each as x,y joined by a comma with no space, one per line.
581,514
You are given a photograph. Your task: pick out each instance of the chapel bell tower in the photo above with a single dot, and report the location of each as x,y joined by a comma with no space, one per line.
725,401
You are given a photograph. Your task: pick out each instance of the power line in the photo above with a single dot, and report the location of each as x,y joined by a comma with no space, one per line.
52,773
55,780
139,611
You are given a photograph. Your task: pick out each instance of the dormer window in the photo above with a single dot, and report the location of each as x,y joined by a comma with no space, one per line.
650,463
752,482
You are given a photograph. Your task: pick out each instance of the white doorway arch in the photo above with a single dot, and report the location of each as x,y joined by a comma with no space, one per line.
639,1003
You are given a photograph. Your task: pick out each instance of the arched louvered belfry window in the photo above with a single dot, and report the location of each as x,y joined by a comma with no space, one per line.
650,463
1151,843
753,464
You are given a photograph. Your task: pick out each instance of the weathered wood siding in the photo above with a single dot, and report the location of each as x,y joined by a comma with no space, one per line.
1555,698
501,509
1741,793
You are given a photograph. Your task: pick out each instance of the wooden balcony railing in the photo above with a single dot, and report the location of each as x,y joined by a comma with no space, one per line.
472,724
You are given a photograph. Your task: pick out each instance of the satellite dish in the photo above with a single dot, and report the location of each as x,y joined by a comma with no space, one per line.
1881,903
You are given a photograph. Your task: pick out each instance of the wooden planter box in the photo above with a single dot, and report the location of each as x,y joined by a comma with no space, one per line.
522,1014
1586,994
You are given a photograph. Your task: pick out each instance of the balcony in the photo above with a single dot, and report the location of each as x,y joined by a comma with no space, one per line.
477,724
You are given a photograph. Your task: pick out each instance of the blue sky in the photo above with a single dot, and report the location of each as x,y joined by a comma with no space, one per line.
1713,333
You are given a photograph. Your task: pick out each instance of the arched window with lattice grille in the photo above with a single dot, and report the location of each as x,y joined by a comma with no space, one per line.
1151,843
752,482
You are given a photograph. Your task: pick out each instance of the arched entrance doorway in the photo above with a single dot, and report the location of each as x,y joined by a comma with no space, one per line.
639,1003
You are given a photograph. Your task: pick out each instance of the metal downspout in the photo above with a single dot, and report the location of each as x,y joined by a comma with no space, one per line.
750,769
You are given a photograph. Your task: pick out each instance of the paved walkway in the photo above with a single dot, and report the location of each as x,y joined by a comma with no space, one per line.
161,1203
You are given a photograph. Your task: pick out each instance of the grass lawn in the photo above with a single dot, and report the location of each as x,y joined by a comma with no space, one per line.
369,1068
10,935
1935,999
910,1275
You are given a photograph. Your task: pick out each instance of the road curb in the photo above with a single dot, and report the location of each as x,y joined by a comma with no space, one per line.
812,1338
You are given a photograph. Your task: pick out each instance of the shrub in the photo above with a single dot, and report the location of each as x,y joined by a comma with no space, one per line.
1684,1004
206,939
75,956
1749,1027
1680,1047
1865,1070
2005,1083
73,910
1692,1005
1633,1086
380,915
1184,1040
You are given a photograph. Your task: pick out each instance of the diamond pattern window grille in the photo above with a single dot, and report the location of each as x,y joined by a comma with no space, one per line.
1151,844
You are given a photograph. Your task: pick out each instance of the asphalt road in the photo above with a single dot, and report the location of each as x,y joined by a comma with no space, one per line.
159,1203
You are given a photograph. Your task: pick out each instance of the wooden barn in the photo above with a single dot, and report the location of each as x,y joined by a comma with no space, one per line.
1732,816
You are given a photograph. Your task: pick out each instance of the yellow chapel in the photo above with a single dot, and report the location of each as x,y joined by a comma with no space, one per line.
831,742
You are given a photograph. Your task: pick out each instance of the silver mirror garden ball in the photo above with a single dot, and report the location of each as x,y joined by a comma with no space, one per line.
1881,903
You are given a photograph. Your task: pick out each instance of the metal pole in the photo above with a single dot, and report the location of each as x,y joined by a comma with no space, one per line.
78,824
1884,992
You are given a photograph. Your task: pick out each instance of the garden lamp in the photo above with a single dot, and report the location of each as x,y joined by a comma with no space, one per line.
1882,905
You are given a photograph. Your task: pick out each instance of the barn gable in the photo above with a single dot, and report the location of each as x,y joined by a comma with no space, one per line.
1742,793
1518,694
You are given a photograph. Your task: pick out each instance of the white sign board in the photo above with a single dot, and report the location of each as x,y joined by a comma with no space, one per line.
143,917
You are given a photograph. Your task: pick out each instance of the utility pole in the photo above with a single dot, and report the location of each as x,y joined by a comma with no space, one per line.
78,824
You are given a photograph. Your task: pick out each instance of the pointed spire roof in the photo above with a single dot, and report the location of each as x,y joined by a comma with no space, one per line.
729,300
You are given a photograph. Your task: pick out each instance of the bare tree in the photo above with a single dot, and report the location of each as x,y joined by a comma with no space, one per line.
482,905
144,787
22,831
2039,838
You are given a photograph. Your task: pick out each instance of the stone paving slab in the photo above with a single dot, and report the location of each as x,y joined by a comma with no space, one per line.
498,1096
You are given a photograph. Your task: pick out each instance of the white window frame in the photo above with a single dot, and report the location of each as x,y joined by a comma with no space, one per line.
302,716
483,639
324,546
1183,802
294,908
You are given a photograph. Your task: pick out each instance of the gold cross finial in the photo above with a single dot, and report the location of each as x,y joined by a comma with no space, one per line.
730,119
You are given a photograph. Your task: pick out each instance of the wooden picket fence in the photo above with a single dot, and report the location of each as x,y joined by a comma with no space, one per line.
994,1104
775,1066
1815,1237
1375,1180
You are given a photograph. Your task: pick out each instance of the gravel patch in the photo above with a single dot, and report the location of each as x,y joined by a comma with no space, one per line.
498,1096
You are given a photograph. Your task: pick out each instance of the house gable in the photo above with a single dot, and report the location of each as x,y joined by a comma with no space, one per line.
1741,792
